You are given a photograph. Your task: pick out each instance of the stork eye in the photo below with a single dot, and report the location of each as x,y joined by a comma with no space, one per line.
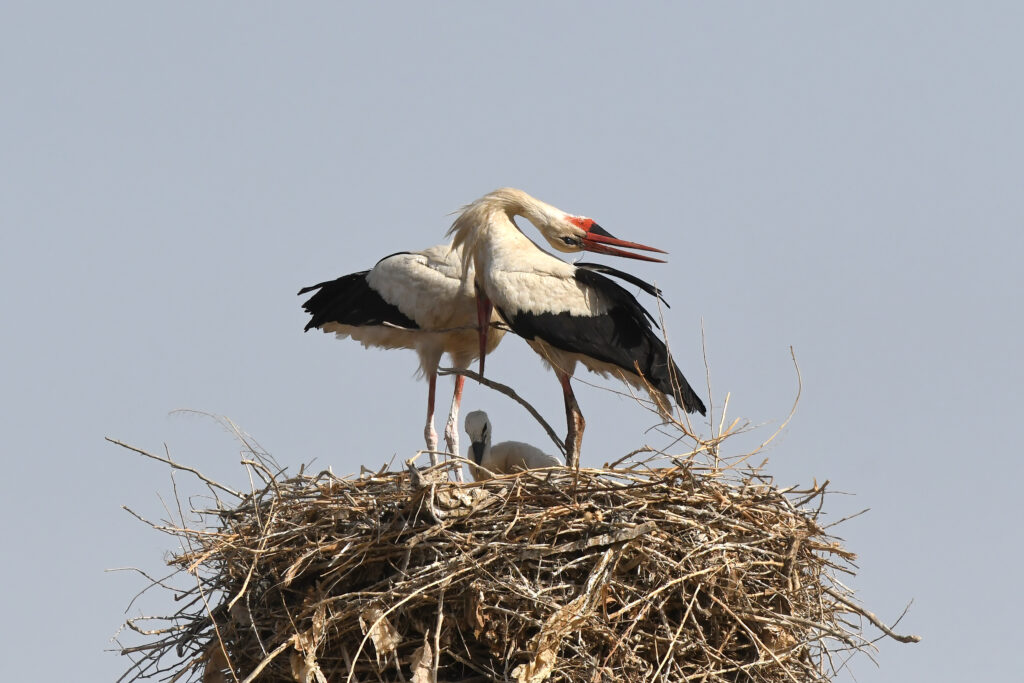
571,241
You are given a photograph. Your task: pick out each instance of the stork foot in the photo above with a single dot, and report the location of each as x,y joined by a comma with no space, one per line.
574,439
573,420
451,440
451,428
431,438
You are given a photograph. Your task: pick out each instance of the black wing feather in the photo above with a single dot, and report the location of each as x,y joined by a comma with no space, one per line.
623,337
350,300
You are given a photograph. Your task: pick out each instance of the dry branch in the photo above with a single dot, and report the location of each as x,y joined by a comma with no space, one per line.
511,393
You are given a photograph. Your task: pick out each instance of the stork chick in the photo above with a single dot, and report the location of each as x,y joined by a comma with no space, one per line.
503,458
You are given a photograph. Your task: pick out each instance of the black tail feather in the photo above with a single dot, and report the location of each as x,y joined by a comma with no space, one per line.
670,381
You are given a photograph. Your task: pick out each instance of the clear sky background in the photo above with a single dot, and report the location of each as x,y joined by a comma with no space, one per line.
843,179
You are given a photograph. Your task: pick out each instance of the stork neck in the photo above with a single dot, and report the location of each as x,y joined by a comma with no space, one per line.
488,231
517,203
500,235
530,213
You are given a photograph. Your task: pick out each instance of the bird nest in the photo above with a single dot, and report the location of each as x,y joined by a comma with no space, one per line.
632,573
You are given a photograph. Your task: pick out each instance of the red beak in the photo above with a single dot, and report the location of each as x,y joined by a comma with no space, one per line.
599,241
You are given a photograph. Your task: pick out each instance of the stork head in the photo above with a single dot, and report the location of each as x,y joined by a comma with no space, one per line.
578,233
478,427
563,231
568,233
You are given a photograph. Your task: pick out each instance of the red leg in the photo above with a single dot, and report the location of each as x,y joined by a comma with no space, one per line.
574,421
483,319
428,431
451,430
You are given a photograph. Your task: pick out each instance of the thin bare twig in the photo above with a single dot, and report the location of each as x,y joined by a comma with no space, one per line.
510,392
177,466
879,624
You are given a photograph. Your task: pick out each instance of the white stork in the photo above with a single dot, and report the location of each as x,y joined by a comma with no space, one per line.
409,300
567,313
503,458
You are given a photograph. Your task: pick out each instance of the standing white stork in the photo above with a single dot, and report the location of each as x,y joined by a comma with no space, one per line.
410,300
567,313
502,458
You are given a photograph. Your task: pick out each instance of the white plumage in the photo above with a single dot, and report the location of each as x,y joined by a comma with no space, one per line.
417,300
569,314
502,458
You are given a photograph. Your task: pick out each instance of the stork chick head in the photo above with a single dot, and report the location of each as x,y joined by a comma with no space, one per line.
478,427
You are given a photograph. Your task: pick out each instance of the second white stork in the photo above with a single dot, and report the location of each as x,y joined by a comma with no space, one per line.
502,458
410,300
568,314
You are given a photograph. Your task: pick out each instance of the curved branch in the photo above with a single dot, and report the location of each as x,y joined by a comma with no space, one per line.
508,391
873,619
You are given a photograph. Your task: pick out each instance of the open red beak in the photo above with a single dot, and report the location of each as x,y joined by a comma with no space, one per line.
599,241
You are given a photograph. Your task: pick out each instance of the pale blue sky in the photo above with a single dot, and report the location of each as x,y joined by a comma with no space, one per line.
846,180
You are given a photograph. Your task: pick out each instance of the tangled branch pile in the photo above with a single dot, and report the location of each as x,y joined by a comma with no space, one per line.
602,575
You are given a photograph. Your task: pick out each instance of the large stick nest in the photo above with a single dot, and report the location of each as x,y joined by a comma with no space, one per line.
634,574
